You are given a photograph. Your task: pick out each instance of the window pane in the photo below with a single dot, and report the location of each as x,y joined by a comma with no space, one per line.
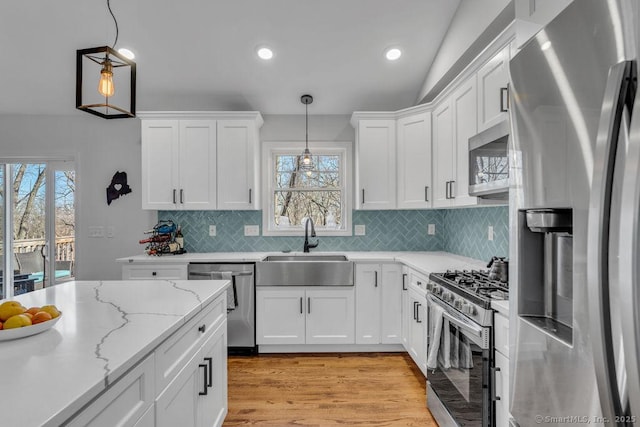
328,163
286,163
324,207
64,224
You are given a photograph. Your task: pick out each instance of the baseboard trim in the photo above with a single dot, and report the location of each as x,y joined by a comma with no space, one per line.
331,348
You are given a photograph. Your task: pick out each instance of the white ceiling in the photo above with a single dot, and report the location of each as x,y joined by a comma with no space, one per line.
200,54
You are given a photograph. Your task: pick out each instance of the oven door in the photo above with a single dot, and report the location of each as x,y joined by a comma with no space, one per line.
458,364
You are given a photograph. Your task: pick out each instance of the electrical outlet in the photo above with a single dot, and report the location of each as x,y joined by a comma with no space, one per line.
251,230
490,233
359,230
213,231
431,229
96,231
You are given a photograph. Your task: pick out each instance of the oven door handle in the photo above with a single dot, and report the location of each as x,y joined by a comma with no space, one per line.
467,325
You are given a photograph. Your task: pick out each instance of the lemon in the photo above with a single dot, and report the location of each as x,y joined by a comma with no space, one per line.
10,308
17,321
51,309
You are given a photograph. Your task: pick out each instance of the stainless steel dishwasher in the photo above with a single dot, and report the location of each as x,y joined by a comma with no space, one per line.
241,297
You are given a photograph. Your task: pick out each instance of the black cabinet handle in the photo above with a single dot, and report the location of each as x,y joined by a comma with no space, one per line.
309,305
375,278
154,273
300,305
452,190
363,196
446,190
415,310
174,196
426,193
404,281
494,397
181,195
202,328
418,313
204,392
504,106
249,196
209,360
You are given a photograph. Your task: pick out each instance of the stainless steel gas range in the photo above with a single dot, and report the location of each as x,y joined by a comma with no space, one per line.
460,376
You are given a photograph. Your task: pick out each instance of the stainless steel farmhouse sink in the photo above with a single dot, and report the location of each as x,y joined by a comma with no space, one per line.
305,270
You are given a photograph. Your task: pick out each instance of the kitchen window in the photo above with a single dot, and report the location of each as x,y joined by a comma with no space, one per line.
322,194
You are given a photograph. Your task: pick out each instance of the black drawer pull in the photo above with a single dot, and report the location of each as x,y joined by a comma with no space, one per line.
504,106
210,379
204,392
202,328
418,313
404,281
154,273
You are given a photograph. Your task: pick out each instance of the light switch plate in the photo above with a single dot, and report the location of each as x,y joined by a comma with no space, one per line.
251,230
359,230
431,229
96,231
213,231
490,233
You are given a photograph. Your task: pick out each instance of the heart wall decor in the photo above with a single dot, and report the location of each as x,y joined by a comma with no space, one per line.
118,187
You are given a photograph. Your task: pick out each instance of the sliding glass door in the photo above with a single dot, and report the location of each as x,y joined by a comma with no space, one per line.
38,225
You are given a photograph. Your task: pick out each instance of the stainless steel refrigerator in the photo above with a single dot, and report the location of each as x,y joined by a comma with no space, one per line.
574,216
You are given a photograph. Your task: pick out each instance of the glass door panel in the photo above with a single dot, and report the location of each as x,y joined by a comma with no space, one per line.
64,222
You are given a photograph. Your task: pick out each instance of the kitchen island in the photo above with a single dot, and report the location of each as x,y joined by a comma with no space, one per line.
113,333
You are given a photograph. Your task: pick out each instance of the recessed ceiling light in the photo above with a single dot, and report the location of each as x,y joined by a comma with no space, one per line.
126,53
265,53
393,54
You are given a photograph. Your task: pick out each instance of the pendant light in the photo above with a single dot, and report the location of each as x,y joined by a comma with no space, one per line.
100,67
307,162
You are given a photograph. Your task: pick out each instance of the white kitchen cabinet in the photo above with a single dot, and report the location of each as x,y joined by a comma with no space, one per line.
378,303
237,163
417,329
502,390
375,164
405,309
179,164
197,395
415,190
294,315
443,154
454,123
493,97
154,271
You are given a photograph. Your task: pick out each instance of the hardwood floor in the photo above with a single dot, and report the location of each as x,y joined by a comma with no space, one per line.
353,389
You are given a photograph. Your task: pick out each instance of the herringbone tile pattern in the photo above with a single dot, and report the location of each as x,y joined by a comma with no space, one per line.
466,232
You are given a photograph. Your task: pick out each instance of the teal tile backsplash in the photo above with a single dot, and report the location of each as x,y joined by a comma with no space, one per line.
459,231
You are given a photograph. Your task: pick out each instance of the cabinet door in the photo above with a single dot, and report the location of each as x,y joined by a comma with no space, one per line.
368,291
406,310
376,164
502,390
197,165
330,316
418,347
443,152
465,119
160,164
237,165
414,162
212,406
154,272
492,85
391,307
177,405
280,316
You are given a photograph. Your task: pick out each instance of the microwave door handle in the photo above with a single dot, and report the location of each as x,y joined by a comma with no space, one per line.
598,238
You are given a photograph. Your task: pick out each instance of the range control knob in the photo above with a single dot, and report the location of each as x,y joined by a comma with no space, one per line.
457,303
430,286
469,309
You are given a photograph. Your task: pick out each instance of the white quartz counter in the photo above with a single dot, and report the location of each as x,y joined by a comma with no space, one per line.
106,328
425,262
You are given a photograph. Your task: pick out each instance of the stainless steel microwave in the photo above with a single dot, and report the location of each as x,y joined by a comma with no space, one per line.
489,162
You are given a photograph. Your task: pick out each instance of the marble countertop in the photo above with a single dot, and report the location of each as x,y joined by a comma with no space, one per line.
425,262
105,329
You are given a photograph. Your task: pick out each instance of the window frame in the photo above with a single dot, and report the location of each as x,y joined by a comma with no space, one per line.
272,148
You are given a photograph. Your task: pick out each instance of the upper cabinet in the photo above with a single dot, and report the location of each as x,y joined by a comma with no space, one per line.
414,190
443,155
200,161
375,163
178,164
533,15
493,96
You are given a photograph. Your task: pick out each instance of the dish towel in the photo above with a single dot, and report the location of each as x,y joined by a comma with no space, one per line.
437,320
232,294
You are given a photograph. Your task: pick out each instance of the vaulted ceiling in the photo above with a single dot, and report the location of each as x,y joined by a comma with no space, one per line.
201,54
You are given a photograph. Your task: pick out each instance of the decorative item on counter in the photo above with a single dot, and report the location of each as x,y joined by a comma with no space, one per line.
164,239
179,238
118,187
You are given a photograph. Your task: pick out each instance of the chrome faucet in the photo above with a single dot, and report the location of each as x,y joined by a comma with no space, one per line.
308,245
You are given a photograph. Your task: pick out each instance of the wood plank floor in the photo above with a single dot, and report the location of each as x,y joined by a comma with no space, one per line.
352,389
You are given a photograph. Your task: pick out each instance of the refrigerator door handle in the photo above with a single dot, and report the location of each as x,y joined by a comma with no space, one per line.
598,238
628,260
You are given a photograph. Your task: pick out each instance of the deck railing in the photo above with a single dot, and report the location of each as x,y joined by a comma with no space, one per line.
65,247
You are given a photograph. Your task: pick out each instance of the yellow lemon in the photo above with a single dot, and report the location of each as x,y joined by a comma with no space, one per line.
51,309
17,321
10,308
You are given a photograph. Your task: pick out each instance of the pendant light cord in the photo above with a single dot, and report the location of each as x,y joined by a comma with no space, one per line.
115,22
306,125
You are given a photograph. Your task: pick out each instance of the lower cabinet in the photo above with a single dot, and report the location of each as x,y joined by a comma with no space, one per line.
298,315
501,361
154,271
416,318
197,396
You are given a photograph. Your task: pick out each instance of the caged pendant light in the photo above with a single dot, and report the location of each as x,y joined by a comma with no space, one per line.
114,76
307,162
